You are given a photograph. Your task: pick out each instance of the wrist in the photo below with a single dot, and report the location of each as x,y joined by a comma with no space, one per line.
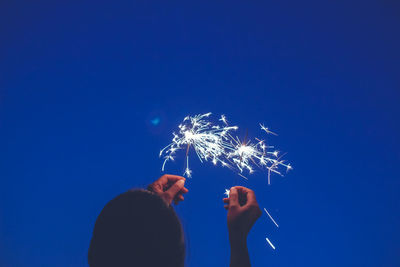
239,251
237,239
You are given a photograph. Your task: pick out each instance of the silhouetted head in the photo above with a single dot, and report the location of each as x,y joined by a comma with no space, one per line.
137,228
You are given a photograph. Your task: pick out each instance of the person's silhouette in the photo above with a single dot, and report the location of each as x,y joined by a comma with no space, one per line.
140,228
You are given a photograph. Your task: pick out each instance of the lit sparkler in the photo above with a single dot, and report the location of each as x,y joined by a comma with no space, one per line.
209,141
215,143
227,193
248,155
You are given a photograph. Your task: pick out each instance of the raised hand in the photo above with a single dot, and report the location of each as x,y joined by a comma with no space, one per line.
170,188
243,211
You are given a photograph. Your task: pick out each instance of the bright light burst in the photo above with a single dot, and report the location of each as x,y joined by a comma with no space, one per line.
214,142
247,156
227,193
209,141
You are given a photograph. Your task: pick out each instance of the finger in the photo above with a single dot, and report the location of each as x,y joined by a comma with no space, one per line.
184,190
161,183
168,178
178,198
251,197
226,207
225,200
233,197
174,189
242,189
173,178
155,187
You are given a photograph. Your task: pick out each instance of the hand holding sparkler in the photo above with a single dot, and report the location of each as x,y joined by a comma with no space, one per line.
243,212
170,188
214,141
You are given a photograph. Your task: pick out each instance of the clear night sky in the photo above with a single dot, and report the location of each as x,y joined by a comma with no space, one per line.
81,81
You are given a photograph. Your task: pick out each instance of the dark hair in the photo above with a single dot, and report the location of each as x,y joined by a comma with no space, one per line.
137,228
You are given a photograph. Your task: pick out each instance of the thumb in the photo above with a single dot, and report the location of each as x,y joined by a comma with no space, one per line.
175,188
233,197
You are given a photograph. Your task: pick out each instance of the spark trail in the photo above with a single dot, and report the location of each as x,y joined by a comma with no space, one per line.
272,219
269,242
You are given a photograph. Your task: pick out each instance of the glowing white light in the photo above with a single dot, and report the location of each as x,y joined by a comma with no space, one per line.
272,219
215,143
246,156
224,120
227,192
266,129
207,140
269,242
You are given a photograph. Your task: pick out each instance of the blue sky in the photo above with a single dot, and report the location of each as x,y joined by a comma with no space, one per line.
81,83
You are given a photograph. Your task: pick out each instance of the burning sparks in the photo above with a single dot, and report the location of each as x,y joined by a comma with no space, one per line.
207,140
215,143
267,130
227,192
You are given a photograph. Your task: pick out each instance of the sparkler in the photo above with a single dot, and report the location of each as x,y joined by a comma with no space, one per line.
247,155
209,141
214,142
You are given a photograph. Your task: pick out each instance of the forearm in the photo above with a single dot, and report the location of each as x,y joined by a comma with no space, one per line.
239,252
